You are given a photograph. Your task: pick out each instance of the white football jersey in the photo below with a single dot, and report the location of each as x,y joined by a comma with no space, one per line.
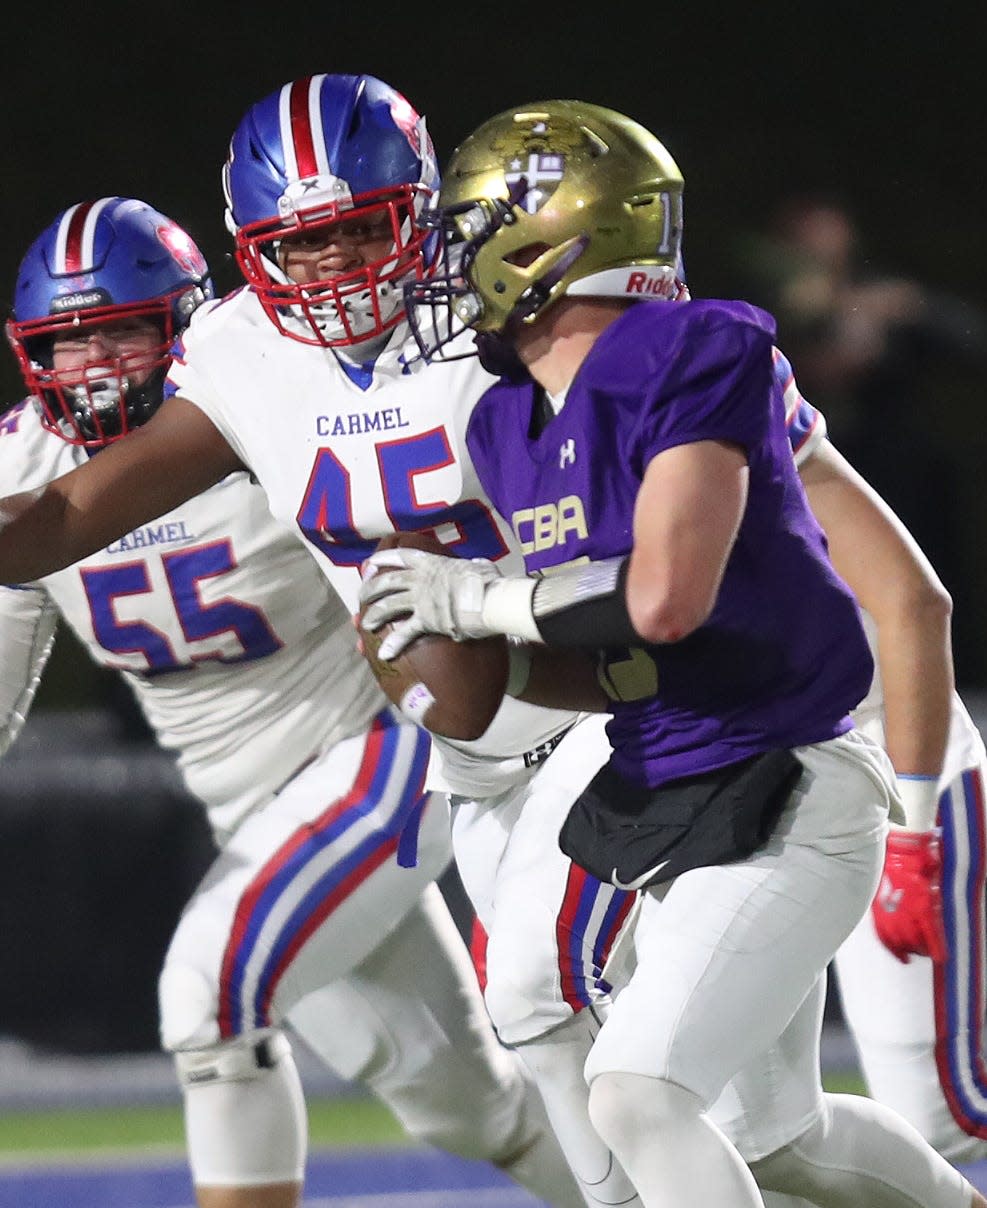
241,655
965,747
346,458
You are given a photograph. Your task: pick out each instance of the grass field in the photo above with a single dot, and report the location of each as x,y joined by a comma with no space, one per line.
333,1123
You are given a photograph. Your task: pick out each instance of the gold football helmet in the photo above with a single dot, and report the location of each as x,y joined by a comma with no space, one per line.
556,198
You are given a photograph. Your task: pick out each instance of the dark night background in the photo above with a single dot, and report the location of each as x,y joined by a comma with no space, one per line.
879,103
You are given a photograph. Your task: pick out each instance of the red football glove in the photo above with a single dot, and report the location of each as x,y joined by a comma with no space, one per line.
907,908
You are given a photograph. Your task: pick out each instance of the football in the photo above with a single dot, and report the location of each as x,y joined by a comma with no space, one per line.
453,689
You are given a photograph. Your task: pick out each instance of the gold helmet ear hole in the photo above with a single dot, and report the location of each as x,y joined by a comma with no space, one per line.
527,255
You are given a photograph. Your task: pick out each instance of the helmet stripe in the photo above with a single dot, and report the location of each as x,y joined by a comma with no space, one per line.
74,242
301,127
286,119
68,241
320,157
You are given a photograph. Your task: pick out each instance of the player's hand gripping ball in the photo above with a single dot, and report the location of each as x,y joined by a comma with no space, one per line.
452,688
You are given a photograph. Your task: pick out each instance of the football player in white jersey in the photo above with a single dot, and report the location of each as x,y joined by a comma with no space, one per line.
301,379
243,660
917,1022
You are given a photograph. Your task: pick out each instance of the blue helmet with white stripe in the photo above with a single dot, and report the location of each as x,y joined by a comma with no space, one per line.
323,150
103,265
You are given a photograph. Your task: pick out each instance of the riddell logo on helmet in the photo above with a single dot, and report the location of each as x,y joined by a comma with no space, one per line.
79,300
644,283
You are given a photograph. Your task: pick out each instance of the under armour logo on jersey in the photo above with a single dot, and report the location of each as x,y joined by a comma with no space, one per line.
567,454
889,898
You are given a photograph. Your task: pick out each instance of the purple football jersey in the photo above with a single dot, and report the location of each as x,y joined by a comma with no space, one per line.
783,657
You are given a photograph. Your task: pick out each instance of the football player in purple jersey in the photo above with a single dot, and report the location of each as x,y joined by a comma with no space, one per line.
641,455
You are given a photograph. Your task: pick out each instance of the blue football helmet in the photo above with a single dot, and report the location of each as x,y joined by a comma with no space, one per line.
314,152
98,265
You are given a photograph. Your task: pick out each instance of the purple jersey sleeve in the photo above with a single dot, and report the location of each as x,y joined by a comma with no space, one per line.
718,388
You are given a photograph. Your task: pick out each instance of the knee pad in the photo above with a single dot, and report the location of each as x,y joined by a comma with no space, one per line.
240,1059
245,1117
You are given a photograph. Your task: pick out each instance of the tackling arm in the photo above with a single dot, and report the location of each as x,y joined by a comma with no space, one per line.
176,455
893,580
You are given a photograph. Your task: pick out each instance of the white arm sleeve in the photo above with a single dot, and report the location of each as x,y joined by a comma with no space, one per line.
27,633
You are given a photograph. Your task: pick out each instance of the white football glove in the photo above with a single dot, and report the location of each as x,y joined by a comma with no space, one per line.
420,593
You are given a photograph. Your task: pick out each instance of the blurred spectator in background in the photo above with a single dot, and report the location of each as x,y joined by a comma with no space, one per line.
884,357
863,337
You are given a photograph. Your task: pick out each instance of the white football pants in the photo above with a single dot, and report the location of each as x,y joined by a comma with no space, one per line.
306,916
